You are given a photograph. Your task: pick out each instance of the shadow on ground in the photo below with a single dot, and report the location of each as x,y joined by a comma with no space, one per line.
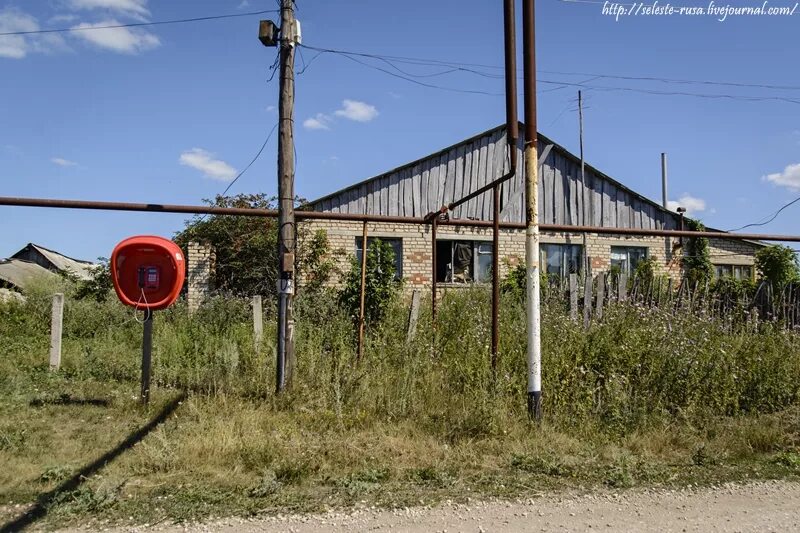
43,502
66,399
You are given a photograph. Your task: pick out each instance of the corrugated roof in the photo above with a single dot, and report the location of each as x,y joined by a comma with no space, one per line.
20,273
82,269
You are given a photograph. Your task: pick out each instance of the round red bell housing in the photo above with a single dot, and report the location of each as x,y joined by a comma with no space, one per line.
148,272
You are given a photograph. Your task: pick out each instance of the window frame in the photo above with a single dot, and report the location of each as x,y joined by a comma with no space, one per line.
630,267
565,252
477,273
734,271
398,259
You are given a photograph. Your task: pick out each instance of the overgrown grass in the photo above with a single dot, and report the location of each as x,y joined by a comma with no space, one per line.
643,397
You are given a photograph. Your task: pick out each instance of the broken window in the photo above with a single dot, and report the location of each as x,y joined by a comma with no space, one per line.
463,261
397,247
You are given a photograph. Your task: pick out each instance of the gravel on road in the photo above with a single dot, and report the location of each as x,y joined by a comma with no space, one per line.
762,506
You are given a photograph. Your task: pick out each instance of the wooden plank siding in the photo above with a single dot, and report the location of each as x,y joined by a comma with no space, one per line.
425,185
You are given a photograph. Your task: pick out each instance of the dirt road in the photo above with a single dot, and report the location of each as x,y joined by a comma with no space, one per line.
767,506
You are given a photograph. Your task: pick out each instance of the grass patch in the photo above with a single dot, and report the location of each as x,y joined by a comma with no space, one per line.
644,397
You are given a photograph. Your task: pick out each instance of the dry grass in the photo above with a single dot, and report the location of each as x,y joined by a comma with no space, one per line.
411,424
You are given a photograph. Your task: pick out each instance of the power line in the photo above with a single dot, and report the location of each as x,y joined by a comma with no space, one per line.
258,154
771,218
269,136
472,69
138,24
399,74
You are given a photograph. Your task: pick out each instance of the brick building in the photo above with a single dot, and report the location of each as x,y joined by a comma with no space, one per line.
464,253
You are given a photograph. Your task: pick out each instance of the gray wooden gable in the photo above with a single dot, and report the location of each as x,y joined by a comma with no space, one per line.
425,185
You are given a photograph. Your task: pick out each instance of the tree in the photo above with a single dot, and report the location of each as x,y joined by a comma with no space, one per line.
696,261
777,265
380,288
246,248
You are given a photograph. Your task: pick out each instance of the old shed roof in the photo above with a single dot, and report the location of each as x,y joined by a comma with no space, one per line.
61,262
19,273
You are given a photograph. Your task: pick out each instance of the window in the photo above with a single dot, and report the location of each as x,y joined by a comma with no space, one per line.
397,247
734,271
626,258
562,259
463,261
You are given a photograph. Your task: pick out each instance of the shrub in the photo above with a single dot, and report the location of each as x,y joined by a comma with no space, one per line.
381,287
777,265
696,260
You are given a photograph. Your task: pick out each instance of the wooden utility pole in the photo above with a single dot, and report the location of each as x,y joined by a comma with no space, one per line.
532,211
287,231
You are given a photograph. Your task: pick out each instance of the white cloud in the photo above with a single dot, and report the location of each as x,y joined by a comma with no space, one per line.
204,162
690,203
320,121
19,46
355,110
62,19
243,4
60,161
790,177
271,109
136,8
123,40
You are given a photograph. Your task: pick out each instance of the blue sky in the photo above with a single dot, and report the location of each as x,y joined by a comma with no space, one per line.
168,114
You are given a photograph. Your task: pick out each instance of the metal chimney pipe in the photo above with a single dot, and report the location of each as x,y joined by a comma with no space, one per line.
664,197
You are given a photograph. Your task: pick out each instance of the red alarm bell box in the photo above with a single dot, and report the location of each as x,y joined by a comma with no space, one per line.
148,272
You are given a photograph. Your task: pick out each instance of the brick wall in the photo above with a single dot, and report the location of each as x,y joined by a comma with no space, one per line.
417,247
200,262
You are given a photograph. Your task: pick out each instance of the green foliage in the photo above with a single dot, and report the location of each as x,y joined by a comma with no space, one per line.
516,282
733,289
314,261
646,269
777,265
246,248
99,286
380,287
696,261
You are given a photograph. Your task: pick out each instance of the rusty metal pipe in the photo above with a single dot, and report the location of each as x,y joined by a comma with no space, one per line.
495,278
320,215
434,223
361,308
510,54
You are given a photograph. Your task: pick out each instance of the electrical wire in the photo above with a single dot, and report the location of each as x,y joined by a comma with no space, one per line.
462,65
260,150
138,24
399,74
771,218
255,158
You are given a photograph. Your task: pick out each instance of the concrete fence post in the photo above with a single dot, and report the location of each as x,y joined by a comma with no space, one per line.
56,327
258,322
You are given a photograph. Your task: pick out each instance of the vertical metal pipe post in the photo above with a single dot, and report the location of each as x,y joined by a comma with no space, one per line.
664,198
434,221
147,352
495,277
512,134
361,308
532,213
